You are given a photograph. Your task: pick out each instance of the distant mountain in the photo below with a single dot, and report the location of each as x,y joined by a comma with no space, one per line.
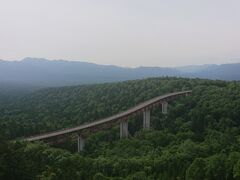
212,71
223,72
43,72
195,68
58,73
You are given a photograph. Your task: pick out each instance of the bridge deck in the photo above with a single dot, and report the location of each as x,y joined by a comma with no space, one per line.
108,119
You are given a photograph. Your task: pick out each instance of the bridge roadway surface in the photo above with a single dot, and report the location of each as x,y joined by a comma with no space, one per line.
116,117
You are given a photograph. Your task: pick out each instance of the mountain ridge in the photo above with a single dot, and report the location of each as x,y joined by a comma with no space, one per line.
44,72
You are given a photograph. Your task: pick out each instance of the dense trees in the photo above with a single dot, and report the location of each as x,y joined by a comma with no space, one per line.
198,139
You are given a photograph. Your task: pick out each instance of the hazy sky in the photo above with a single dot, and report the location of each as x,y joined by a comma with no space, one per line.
122,32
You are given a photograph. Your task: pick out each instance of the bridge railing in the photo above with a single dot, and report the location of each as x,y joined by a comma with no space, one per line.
120,115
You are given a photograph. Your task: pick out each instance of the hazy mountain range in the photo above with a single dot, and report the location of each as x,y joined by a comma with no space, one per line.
43,72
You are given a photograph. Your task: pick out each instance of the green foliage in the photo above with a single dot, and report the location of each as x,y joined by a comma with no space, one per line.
236,170
196,171
198,139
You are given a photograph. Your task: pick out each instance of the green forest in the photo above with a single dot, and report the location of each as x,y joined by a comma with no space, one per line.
198,139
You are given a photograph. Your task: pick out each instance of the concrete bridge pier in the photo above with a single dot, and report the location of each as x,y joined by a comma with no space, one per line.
164,107
123,129
122,118
146,119
81,143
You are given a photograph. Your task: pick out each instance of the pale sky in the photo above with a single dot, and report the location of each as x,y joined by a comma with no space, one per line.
122,32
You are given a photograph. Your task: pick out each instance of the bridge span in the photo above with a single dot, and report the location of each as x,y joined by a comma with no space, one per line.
121,118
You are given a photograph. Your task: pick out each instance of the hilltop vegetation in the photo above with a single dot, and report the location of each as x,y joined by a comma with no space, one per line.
57,108
198,139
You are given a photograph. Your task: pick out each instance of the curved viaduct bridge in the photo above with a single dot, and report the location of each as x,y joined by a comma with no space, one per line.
120,118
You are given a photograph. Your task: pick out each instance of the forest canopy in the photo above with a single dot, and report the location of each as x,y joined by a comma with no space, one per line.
199,138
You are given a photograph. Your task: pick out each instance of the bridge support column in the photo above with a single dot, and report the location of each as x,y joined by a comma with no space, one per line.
146,119
164,107
124,129
81,143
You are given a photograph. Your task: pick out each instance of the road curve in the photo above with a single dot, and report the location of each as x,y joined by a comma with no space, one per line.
115,117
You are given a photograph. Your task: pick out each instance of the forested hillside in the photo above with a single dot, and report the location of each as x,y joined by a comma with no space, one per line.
198,139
